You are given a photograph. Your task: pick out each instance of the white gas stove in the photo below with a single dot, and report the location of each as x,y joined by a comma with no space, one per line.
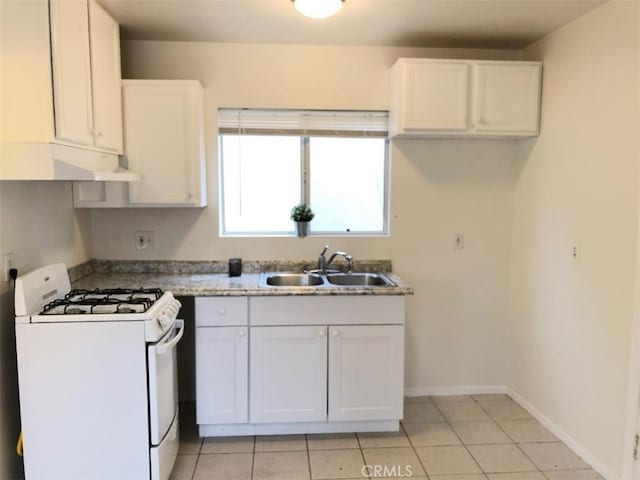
97,378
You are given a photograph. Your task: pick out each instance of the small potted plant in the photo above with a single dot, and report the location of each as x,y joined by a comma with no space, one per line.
302,215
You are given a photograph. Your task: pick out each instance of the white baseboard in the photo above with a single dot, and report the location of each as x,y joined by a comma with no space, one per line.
573,444
243,429
458,390
568,440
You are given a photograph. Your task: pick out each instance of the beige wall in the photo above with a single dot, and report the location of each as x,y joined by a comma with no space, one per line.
578,183
39,225
456,320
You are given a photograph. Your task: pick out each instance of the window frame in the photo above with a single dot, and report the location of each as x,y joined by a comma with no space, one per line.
305,194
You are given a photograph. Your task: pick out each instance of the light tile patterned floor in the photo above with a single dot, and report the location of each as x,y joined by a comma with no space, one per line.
478,437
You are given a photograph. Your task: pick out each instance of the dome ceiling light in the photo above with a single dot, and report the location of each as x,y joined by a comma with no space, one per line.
318,8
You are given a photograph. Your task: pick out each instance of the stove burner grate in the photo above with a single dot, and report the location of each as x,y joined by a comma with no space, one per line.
74,310
130,293
121,300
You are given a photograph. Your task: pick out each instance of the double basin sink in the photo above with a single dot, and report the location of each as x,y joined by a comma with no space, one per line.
320,280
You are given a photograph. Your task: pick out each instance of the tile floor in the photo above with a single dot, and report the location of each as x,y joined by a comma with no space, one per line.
478,437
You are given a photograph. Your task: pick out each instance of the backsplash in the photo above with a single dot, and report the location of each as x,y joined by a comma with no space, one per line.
213,266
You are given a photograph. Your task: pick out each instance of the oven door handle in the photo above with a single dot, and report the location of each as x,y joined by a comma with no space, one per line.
165,347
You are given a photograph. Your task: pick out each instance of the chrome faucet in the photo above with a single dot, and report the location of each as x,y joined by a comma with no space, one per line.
323,263
348,257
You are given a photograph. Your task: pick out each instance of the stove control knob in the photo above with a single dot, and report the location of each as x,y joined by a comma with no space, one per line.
164,321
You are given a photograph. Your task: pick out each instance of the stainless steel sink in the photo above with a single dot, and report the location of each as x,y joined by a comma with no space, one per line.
360,280
338,280
292,280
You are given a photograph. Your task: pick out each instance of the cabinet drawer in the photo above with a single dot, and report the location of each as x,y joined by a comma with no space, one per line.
322,310
221,311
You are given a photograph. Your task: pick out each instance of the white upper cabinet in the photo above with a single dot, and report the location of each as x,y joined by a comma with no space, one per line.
85,44
439,98
71,63
507,98
60,97
61,79
164,141
106,78
433,96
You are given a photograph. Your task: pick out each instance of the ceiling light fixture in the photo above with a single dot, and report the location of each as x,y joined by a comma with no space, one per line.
318,8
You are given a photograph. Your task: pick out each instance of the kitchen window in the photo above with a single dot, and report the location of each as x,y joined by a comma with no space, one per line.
335,161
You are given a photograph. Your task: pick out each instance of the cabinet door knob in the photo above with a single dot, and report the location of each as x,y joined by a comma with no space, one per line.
335,333
222,311
321,332
242,333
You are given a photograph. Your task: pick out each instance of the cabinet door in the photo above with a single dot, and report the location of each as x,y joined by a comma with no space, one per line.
435,96
163,141
288,374
366,365
106,79
222,366
506,98
71,61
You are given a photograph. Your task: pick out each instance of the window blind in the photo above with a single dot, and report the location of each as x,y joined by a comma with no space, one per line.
341,123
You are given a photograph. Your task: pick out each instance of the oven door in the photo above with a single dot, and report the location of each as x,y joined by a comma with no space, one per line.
163,382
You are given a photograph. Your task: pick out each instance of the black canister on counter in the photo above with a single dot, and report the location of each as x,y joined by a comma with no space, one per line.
235,267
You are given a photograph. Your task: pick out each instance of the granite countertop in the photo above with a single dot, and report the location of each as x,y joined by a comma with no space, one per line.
220,284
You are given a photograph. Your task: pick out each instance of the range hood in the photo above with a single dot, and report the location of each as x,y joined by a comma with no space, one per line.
52,161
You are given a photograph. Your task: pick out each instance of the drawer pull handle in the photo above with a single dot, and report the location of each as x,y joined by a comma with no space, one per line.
321,333
335,333
242,333
222,311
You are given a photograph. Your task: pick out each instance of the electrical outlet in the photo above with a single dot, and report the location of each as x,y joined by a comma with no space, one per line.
144,240
8,263
575,253
458,242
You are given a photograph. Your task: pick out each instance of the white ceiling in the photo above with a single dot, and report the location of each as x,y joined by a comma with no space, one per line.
415,23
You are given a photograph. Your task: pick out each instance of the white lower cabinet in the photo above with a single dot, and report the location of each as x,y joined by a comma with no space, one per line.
299,364
222,359
288,373
366,372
